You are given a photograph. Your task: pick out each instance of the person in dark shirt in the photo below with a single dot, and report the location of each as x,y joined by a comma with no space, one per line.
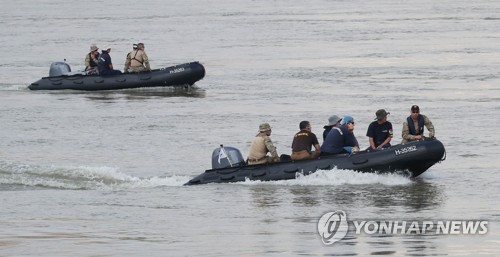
341,139
380,131
302,142
333,121
105,65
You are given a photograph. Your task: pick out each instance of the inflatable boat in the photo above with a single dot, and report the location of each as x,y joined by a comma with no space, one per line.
411,159
61,77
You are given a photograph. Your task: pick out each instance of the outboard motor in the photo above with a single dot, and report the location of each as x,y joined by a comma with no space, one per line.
59,69
225,157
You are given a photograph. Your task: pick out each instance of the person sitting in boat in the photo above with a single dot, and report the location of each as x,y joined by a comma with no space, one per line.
413,127
341,139
128,59
105,64
333,121
139,60
261,145
302,142
92,59
380,131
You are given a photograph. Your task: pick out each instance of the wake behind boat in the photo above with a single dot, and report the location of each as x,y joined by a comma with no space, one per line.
412,158
61,77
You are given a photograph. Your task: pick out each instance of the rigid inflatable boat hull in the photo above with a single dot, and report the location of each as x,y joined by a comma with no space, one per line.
183,74
412,158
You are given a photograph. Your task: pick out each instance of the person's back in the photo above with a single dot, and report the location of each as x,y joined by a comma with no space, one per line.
139,60
303,141
105,64
128,59
261,145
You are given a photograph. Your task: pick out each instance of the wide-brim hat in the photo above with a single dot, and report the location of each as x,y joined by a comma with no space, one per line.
333,120
264,127
93,47
381,114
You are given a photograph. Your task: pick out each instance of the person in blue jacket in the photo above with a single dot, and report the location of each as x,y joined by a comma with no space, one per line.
105,65
341,139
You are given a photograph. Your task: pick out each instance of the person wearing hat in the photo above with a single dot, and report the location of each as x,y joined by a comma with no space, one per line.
380,131
105,64
333,121
139,60
341,139
302,142
261,145
413,127
92,59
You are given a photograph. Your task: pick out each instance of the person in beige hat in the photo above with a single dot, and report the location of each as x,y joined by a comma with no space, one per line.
92,59
261,145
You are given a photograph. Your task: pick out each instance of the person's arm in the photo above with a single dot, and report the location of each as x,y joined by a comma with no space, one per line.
387,141
430,127
372,143
318,149
270,147
145,60
87,62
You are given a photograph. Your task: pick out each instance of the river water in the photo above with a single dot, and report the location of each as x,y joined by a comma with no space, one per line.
101,173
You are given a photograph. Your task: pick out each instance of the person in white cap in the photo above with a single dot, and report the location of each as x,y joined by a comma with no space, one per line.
261,145
105,65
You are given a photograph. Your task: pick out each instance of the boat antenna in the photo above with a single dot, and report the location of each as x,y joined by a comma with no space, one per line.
223,154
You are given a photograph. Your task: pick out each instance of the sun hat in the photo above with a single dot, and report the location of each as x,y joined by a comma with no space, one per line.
264,127
381,114
93,47
333,120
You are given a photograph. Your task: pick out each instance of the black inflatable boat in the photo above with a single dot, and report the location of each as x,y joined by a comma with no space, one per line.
411,159
61,77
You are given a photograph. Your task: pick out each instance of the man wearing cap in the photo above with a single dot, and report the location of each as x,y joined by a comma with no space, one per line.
302,142
341,139
139,61
261,145
105,65
413,127
92,58
380,131
333,121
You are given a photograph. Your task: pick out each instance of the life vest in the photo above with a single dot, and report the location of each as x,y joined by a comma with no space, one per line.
411,125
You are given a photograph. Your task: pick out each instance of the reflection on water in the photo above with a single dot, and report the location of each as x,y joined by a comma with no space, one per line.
415,196
138,93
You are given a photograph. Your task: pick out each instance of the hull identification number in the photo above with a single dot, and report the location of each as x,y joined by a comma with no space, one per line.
405,150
